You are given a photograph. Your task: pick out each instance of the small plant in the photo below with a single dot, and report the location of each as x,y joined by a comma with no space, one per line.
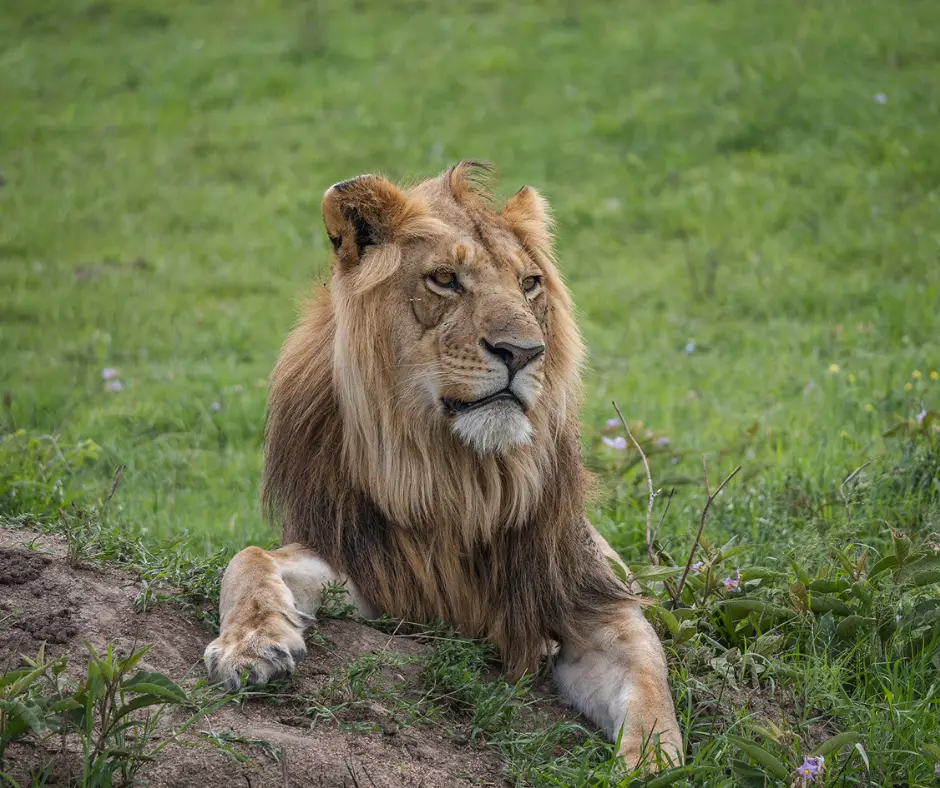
23,706
112,713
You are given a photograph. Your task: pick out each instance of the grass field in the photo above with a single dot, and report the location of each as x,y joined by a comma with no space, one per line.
748,207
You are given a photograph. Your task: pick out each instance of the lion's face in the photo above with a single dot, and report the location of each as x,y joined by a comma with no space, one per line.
471,344
460,299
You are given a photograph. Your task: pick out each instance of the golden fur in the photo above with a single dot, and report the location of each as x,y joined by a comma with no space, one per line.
431,509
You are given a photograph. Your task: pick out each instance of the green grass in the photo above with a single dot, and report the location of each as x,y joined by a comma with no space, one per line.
758,182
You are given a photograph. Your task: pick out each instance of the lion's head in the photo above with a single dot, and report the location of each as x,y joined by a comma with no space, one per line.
451,315
438,372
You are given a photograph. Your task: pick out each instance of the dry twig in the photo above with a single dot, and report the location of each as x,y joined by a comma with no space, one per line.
649,480
711,496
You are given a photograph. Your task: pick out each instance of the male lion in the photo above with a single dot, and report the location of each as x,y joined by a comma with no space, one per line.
422,449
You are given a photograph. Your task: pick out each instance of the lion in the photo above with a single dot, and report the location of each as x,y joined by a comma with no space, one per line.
422,449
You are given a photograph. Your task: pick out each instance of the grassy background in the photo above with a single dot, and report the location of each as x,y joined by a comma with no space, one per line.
746,197
722,173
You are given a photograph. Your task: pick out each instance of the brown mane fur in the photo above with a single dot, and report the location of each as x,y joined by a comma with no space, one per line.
426,527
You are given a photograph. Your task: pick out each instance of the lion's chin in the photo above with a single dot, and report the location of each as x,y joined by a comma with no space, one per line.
494,429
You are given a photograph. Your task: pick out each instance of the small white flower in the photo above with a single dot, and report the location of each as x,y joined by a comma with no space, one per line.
690,347
880,98
921,416
619,443
108,373
215,406
613,422
113,385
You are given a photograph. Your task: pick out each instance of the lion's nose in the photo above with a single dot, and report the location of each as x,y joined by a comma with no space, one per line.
515,356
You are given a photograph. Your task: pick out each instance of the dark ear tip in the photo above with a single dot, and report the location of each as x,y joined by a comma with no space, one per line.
342,185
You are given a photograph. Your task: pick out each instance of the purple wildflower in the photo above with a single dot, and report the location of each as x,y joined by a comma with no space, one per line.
921,416
698,566
690,347
936,768
662,443
108,373
215,407
732,583
619,443
611,423
811,769
113,385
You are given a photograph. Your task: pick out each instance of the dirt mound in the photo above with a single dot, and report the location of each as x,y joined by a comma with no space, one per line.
313,732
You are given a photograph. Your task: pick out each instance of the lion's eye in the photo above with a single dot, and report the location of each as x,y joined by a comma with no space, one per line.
444,279
531,283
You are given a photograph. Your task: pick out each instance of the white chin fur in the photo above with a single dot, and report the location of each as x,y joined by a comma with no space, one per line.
494,429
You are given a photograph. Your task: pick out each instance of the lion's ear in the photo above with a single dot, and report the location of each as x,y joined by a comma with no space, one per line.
530,218
361,213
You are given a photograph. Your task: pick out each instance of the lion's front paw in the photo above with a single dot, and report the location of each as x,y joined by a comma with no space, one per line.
267,652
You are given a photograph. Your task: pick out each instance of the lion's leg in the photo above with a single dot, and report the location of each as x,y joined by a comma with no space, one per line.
268,599
617,677
618,680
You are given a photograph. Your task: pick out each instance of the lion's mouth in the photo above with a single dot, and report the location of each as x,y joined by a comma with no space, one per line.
458,406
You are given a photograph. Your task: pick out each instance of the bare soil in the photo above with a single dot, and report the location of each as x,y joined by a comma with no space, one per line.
45,600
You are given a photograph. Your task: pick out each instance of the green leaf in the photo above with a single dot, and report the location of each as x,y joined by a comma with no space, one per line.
888,562
800,573
745,606
687,630
860,591
887,629
128,663
767,643
828,586
618,569
747,776
761,573
22,683
11,676
654,573
926,578
933,749
902,546
669,620
769,731
843,559
731,552
140,702
837,742
864,755
157,684
759,754
849,625
23,714
668,778
66,704
829,604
